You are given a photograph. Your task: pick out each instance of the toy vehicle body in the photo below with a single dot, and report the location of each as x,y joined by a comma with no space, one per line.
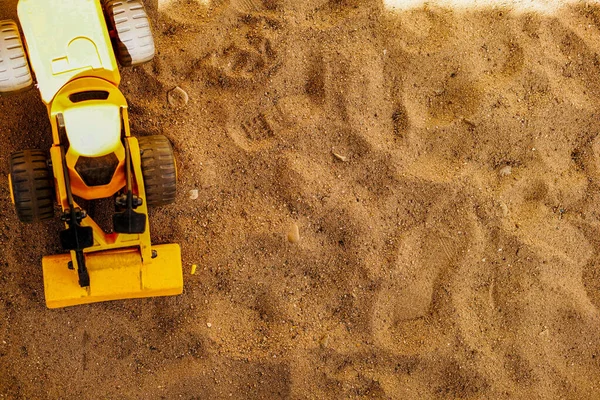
93,155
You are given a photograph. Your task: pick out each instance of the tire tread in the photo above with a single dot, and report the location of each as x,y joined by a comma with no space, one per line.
158,169
33,187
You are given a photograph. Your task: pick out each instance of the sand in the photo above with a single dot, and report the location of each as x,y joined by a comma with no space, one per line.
393,205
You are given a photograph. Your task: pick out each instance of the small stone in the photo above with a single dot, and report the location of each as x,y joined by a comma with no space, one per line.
469,122
209,324
324,341
193,194
293,235
505,171
178,97
340,157
504,209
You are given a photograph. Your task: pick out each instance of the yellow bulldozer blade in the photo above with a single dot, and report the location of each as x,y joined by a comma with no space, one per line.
114,275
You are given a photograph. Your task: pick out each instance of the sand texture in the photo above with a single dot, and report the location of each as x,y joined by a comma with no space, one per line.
390,205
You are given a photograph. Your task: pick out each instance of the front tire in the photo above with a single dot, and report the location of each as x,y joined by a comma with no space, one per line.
15,75
129,21
158,169
32,186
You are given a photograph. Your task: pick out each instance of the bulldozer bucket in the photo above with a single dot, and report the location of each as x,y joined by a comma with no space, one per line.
114,275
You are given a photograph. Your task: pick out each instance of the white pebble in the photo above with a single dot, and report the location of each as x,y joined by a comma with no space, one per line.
340,157
504,209
178,97
293,235
505,171
193,194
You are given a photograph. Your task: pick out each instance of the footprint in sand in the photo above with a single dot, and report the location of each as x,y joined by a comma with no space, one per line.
573,61
425,275
425,30
248,56
498,51
258,127
258,131
502,58
457,97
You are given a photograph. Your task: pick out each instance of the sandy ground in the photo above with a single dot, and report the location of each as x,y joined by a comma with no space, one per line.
441,166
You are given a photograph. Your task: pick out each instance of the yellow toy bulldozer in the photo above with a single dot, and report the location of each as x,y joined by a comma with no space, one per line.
73,47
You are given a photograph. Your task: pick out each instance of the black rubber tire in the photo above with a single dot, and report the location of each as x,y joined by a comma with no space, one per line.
32,186
134,41
15,75
158,169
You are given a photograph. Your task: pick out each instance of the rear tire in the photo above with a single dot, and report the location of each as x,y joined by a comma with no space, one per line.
158,169
15,74
134,42
32,186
